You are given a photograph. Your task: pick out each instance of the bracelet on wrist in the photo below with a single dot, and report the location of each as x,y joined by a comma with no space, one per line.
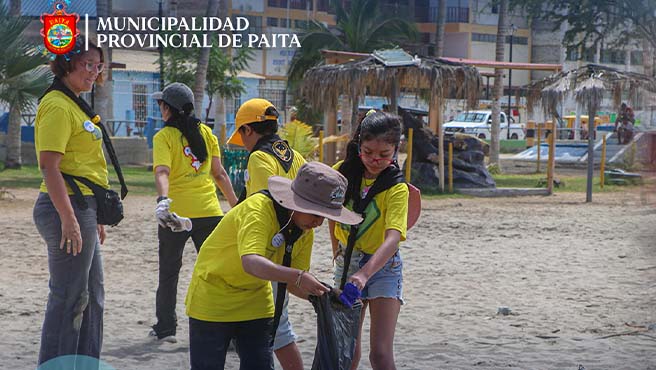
299,277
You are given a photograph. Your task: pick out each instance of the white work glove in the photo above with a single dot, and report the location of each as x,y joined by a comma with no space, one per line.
162,212
167,219
179,224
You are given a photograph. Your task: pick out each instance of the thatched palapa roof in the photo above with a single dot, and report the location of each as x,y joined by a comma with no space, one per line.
588,83
323,85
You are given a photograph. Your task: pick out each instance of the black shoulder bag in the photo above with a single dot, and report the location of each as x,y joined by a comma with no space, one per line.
388,178
110,208
291,234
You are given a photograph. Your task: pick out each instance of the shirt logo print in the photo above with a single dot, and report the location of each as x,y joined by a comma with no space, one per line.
195,163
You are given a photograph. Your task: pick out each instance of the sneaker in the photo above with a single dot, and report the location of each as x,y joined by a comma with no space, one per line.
167,339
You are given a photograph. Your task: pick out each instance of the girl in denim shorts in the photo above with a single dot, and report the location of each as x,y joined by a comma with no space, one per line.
375,267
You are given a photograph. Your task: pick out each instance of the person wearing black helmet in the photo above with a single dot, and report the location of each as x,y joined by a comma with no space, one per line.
187,167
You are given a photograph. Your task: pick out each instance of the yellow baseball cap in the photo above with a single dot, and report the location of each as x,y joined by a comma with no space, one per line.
251,111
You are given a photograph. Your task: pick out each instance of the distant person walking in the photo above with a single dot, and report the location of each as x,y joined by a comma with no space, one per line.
624,124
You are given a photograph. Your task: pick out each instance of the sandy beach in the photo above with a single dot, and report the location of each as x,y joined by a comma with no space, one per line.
572,274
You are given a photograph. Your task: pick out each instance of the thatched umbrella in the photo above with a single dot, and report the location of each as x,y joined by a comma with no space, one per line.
322,85
588,84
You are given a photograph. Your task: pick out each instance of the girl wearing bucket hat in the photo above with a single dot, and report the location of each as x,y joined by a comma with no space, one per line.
375,265
187,167
230,296
256,129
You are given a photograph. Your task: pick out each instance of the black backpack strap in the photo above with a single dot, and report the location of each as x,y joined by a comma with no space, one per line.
79,198
291,233
391,176
58,85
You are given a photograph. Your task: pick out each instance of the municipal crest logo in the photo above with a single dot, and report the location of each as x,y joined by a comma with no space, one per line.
59,28
281,150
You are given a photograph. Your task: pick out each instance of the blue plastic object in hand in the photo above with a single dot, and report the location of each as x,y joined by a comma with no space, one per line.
350,294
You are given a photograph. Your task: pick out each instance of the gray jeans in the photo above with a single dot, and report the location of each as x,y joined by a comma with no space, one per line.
73,321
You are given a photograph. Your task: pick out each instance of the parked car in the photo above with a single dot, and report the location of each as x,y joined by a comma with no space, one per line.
479,124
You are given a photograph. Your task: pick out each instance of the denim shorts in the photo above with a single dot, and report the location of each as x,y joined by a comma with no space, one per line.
285,334
385,283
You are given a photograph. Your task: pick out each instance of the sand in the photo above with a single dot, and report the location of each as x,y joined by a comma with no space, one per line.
571,273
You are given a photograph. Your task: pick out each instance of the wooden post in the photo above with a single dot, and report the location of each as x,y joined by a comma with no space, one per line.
450,167
330,126
223,134
602,165
591,135
551,165
321,146
408,161
539,148
441,155
394,99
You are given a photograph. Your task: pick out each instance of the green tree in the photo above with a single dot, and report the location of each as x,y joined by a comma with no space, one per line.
222,69
23,78
497,92
440,21
364,27
591,22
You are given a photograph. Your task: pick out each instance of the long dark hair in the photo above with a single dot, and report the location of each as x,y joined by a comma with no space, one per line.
374,126
189,126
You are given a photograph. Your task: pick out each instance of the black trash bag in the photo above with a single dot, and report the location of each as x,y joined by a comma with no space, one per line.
337,331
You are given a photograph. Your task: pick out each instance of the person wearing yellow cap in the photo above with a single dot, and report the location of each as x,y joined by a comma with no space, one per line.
256,127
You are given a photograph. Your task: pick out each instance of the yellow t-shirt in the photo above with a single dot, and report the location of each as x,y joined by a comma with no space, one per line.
191,185
220,289
388,210
62,127
262,165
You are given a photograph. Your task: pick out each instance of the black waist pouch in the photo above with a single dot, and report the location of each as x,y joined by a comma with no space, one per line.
110,207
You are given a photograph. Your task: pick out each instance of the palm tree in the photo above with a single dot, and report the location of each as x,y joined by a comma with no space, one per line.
497,92
203,61
439,32
22,79
363,28
103,100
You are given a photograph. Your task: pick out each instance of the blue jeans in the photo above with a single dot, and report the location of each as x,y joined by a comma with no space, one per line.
73,321
385,283
208,344
171,246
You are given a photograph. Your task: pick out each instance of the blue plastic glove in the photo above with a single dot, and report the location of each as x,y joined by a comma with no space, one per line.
350,294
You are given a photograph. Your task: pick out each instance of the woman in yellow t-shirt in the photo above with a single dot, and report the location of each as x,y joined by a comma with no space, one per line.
375,267
187,167
68,142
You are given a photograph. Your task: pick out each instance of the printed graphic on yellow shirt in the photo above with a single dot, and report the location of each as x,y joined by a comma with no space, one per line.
195,163
282,150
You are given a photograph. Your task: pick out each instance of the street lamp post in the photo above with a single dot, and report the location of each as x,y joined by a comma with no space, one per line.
513,28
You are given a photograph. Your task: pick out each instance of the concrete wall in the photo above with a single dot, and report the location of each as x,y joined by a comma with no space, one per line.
130,151
456,44
487,51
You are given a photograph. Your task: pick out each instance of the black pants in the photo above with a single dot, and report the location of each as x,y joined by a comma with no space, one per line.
208,344
171,246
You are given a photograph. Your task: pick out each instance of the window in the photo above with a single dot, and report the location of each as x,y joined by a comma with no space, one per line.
139,102
636,58
283,23
613,56
488,37
277,3
495,9
272,22
300,24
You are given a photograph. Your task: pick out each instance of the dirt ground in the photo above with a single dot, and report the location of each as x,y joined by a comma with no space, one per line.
579,279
